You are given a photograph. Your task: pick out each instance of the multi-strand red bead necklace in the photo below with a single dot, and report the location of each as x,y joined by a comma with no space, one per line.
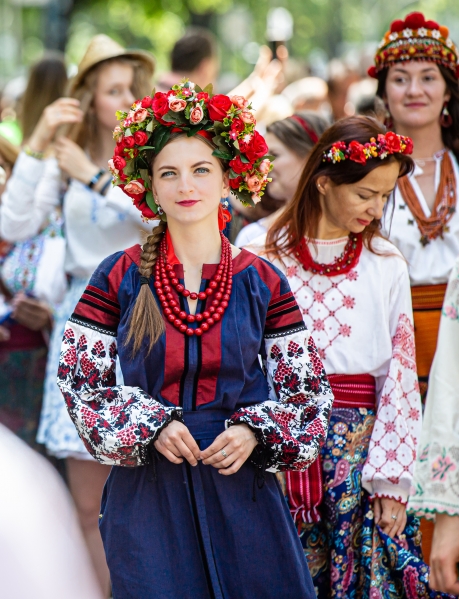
341,265
219,287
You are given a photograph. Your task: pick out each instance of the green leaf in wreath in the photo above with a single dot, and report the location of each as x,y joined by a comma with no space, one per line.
160,138
151,202
209,89
222,155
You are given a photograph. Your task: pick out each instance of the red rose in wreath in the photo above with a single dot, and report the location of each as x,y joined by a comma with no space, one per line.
234,183
238,166
409,146
218,107
140,138
160,104
356,152
392,142
255,148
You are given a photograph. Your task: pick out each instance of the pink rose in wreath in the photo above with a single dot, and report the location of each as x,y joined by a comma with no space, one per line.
196,115
176,104
253,183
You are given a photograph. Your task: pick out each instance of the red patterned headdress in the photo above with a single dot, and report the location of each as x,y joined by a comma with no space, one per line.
416,39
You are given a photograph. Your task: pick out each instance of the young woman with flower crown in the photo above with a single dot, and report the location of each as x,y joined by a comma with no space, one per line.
190,509
352,287
417,71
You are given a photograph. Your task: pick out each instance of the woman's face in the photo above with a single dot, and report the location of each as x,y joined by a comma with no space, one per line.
351,208
288,167
415,94
113,92
188,182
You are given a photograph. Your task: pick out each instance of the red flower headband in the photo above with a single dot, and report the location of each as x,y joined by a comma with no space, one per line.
383,146
416,39
228,122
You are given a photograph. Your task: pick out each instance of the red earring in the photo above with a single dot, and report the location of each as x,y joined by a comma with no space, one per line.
446,120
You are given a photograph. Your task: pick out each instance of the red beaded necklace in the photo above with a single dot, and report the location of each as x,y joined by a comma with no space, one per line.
220,286
341,265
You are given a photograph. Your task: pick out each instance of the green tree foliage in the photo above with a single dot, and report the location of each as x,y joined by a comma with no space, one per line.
326,24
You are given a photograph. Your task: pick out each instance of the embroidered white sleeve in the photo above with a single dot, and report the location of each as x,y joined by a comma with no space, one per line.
115,422
292,425
388,471
436,474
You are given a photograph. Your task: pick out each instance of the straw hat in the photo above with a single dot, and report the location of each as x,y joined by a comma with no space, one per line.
101,48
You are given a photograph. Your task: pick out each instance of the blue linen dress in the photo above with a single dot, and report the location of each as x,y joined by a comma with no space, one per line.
172,530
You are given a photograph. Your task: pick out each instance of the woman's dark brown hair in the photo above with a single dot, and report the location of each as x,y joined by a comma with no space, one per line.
450,135
301,217
146,320
47,82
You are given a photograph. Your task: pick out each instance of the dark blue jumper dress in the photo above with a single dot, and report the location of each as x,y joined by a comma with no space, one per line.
176,531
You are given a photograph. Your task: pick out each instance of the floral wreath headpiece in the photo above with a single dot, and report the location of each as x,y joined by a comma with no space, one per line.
227,121
380,147
416,39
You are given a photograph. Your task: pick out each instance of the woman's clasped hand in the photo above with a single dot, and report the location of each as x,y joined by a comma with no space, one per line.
228,452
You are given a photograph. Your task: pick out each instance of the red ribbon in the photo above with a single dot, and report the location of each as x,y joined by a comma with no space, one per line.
309,130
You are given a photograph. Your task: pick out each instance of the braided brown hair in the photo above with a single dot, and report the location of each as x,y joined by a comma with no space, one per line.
146,319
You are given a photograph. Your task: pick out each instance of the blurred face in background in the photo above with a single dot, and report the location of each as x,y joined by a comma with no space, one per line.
415,94
113,92
288,167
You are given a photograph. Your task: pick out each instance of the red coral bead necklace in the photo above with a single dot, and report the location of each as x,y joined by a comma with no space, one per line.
219,287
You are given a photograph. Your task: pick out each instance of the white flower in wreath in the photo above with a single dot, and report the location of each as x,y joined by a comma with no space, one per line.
422,32
407,32
392,37
436,34
449,43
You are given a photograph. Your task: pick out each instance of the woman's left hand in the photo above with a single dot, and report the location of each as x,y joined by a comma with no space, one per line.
230,449
73,160
390,515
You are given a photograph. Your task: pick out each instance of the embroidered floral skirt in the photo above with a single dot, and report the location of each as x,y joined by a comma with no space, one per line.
349,557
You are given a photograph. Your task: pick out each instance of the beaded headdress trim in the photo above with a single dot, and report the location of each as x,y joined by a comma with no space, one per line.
415,38
380,147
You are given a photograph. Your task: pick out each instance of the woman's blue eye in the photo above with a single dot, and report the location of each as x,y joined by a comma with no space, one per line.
167,173
202,169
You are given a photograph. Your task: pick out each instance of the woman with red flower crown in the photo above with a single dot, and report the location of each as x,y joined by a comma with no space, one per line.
352,286
192,508
417,70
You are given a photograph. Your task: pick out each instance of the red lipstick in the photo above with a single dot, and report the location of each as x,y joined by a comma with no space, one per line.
187,202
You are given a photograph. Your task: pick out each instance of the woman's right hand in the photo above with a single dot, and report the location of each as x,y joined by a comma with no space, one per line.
64,111
175,443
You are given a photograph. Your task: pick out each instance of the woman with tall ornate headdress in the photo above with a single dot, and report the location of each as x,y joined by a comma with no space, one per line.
417,70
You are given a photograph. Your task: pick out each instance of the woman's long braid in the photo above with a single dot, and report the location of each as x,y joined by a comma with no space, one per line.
146,319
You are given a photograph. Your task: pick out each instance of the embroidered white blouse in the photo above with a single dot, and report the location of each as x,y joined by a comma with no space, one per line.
96,225
362,323
430,264
437,466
